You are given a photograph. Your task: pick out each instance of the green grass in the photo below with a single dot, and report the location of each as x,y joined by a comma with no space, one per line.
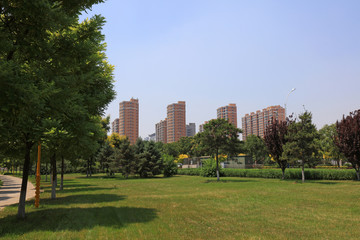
190,207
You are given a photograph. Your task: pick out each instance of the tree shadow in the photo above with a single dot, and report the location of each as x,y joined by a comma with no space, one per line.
228,180
326,183
74,219
9,192
83,199
86,189
4,198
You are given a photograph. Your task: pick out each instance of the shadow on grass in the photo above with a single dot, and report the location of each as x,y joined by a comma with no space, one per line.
80,199
325,182
228,180
74,219
84,199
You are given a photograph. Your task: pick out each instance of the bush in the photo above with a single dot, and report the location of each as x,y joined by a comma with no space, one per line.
170,167
209,169
189,171
292,173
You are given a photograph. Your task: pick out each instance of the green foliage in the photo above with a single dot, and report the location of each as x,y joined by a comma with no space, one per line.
328,148
170,167
256,148
149,162
209,168
105,158
292,173
219,135
302,145
124,158
171,149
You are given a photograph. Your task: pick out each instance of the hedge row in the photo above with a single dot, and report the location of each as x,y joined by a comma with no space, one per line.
293,173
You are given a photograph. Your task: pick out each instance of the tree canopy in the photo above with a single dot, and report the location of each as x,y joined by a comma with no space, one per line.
219,135
301,144
348,139
53,72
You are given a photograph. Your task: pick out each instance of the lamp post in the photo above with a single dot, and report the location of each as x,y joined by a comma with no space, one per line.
287,99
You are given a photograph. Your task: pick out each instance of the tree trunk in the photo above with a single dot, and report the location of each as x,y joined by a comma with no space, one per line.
46,172
21,208
302,172
62,174
283,172
87,168
54,176
217,166
90,167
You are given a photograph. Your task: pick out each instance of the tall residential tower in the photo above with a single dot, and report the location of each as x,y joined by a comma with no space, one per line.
176,121
129,119
229,113
256,123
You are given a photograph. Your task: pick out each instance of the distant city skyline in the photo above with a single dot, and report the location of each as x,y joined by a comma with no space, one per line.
251,53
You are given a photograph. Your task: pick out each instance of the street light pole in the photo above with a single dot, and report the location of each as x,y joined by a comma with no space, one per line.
287,99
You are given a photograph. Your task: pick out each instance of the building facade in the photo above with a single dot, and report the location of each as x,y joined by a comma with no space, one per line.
161,131
256,123
190,130
229,113
176,121
129,119
115,126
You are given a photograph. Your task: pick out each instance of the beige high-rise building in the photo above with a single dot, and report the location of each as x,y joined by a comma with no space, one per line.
176,121
115,126
229,113
161,131
256,123
129,119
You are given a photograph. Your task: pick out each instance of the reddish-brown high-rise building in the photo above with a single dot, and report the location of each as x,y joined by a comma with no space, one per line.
161,131
115,126
176,121
256,123
129,119
229,113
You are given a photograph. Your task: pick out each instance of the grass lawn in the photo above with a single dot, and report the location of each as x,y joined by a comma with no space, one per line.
189,207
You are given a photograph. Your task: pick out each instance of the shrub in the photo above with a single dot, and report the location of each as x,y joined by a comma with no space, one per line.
209,169
292,173
170,167
189,171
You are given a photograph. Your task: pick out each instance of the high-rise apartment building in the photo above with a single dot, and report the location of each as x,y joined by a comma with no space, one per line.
115,126
190,129
161,131
229,113
176,121
256,123
129,119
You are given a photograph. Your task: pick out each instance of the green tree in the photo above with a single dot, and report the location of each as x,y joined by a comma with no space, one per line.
301,142
124,158
218,135
256,148
275,140
328,148
348,139
51,67
185,145
105,157
149,162
170,167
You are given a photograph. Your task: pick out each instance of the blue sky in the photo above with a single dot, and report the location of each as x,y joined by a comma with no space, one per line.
252,53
